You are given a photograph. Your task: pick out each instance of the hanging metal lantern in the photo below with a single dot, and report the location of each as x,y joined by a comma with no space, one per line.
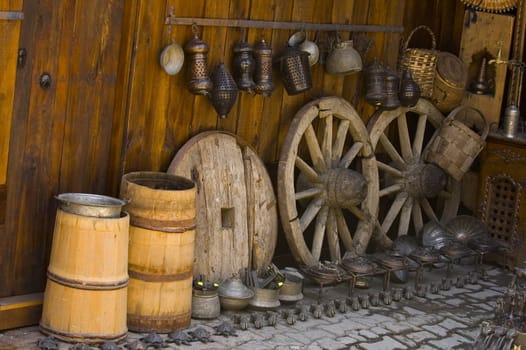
224,93
375,84
392,83
295,69
243,66
263,68
198,83
409,90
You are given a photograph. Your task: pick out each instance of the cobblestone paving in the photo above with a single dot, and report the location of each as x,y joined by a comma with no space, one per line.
449,319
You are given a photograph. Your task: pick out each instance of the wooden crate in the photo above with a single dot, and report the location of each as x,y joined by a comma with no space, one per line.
490,32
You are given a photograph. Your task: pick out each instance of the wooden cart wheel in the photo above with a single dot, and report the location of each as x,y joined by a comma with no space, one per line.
411,190
327,182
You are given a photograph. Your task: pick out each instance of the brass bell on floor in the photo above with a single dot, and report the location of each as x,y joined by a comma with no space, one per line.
224,93
197,50
243,66
263,68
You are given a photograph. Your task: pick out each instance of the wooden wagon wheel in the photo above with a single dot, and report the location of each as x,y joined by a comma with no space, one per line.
411,190
321,198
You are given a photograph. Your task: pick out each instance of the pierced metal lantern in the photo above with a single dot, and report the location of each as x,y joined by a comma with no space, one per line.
392,83
224,93
198,83
263,68
375,84
409,90
243,66
295,70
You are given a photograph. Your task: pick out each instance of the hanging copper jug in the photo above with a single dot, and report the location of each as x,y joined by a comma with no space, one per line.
224,93
243,66
375,84
391,100
198,83
409,90
263,68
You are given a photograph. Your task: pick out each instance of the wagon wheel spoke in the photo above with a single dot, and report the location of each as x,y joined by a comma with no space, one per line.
315,150
395,208
308,193
325,163
405,142
307,170
418,222
411,189
310,213
319,232
419,135
405,217
326,145
343,229
339,142
426,206
391,150
332,236
350,155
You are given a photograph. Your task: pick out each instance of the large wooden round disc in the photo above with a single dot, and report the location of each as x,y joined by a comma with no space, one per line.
236,214
327,182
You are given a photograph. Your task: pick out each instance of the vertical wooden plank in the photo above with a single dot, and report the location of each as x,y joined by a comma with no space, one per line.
9,34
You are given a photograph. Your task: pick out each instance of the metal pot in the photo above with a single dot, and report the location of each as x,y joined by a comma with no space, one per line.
343,59
205,304
264,299
292,288
299,40
233,294
94,205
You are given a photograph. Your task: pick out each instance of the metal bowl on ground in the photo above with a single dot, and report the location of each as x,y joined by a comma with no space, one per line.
234,294
264,299
292,289
93,205
465,227
435,235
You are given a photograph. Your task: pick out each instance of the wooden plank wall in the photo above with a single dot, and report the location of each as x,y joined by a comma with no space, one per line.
111,109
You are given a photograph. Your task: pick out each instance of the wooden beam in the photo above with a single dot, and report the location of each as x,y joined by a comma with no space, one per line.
20,311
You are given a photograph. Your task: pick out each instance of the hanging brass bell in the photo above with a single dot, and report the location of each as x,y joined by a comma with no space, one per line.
224,93
263,68
197,50
243,66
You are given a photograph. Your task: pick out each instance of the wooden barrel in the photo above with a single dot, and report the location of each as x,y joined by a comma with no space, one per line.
161,250
450,80
86,294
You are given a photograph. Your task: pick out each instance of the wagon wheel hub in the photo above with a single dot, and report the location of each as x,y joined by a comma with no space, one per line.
345,188
424,180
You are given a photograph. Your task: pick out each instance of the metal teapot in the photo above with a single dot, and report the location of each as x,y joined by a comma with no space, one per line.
343,59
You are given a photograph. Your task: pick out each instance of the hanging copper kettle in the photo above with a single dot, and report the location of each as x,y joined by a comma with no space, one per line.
197,50
225,91
263,68
243,66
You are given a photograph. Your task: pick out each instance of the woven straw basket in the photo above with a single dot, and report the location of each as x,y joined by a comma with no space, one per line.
455,145
421,62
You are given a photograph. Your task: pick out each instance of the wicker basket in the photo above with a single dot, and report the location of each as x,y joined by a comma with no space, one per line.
456,144
450,80
420,62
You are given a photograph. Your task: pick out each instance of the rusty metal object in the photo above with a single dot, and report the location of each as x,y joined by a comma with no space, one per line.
409,90
455,250
359,264
295,70
375,84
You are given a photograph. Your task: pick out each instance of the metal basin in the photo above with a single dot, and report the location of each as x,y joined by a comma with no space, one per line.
94,205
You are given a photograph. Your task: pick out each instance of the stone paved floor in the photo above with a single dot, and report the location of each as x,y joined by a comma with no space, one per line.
449,319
